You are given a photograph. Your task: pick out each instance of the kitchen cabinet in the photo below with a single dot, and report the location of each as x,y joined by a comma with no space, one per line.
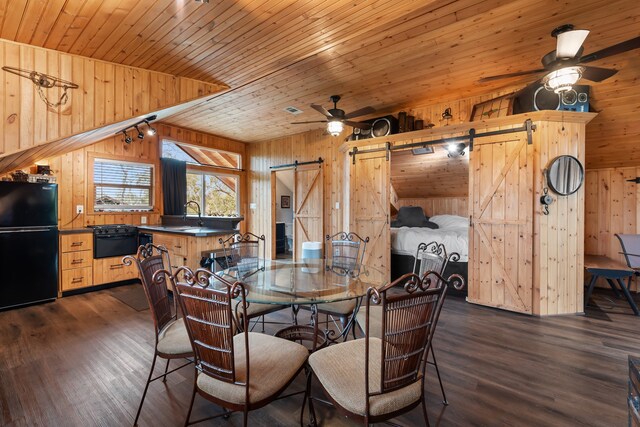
108,270
187,250
76,256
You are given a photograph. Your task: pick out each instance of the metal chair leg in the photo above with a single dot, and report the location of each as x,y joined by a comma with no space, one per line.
435,363
146,387
424,411
166,369
193,397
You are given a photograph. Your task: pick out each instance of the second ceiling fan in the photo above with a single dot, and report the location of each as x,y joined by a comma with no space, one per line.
336,118
565,65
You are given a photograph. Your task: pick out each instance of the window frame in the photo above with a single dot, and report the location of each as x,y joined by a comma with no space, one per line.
93,185
203,170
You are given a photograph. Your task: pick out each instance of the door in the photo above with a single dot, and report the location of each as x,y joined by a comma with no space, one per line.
370,187
501,232
308,211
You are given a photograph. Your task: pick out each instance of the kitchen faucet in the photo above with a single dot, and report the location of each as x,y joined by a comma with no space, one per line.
184,217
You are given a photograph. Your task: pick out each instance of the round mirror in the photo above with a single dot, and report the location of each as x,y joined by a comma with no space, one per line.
565,175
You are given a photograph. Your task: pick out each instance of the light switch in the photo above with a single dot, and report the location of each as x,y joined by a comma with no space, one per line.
143,220
337,205
253,206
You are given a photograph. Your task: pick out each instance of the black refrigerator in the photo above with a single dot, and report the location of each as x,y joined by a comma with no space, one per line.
28,243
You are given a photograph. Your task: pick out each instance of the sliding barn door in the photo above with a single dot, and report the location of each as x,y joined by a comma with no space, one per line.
369,216
501,234
308,207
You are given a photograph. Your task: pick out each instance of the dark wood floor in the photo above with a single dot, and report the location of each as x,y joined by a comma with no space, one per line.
83,360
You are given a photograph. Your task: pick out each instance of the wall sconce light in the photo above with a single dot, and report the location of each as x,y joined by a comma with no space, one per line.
150,130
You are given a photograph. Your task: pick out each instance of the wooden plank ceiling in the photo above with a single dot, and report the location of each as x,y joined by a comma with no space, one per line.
383,53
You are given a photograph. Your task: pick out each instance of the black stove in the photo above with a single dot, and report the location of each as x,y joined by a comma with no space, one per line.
114,240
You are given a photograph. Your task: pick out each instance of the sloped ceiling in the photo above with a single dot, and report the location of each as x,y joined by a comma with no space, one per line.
387,54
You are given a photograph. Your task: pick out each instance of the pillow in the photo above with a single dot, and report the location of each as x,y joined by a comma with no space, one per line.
412,216
450,221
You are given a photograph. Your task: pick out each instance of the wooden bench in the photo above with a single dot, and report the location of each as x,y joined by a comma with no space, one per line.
610,270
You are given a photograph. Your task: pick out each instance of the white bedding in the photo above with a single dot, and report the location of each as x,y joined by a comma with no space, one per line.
453,232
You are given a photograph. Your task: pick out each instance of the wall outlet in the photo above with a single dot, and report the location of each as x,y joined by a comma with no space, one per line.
143,220
79,209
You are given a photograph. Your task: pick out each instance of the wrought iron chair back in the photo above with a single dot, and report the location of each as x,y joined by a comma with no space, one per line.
149,260
207,303
346,250
244,252
408,325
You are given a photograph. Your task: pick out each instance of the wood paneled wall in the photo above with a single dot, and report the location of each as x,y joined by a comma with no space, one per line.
440,205
71,170
301,147
108,93
611,207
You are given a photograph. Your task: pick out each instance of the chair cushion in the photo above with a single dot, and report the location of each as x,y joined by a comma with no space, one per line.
256,310
375,325
340,370
174,339
344,308
273,363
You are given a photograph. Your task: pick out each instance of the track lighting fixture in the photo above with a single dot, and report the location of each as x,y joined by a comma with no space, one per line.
150,130
140,134
127,138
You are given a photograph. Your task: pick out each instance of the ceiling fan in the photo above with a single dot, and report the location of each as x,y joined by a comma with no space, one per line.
336,118
565,65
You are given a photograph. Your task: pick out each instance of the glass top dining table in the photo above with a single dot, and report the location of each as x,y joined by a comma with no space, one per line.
309,282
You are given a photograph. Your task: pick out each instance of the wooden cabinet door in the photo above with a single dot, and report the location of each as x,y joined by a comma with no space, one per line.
501,233
308,201
370,187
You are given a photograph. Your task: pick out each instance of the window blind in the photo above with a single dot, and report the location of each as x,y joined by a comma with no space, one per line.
122,186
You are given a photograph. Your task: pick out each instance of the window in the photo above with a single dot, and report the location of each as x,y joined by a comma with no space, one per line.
200,155
217,194
122,186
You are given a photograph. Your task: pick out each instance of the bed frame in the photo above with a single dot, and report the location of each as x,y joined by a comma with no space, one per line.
403,264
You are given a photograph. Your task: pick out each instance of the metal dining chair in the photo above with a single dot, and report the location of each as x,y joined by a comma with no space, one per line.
345,253
240,372
171,338
246,253
375,379
630,244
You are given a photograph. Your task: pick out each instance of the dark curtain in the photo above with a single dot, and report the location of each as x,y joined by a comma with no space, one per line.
174,186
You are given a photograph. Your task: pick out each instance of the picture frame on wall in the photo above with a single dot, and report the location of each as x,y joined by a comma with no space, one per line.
285,202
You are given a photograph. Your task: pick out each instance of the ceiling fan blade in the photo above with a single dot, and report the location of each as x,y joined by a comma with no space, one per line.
313,121
569,43
612,50
597,74
506,76
321,110
357,124
361,112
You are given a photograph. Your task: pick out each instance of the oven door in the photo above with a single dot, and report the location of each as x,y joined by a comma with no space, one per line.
114,245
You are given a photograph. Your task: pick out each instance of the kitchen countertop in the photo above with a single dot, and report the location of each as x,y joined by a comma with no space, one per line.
186,230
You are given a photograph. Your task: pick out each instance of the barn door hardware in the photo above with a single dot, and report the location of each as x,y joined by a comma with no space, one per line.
528,126
41,80
636,180
297,163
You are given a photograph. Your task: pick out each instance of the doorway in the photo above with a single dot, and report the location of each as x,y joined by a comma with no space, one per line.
283,216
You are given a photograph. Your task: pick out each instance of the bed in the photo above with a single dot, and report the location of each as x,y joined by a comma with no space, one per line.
452,231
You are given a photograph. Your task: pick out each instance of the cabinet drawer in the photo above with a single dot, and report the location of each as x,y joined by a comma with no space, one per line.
76,278
76,242
176,245
76,259
107,270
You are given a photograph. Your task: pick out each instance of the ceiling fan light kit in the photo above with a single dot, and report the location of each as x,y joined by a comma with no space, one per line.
334,127
563,79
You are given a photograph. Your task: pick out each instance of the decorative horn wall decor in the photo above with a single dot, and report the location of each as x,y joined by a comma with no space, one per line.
45,81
